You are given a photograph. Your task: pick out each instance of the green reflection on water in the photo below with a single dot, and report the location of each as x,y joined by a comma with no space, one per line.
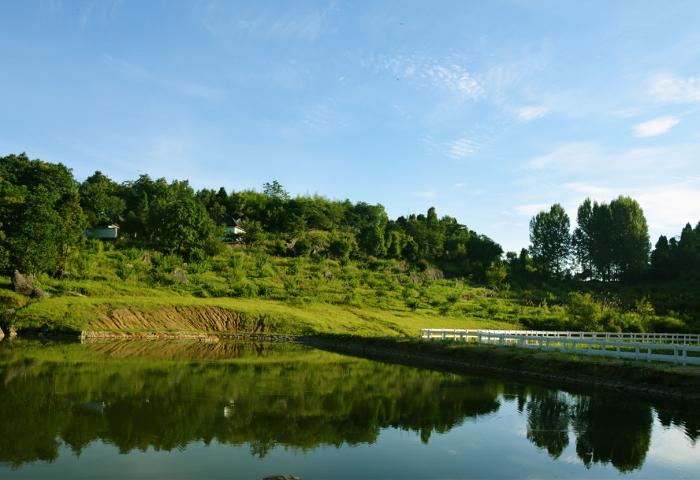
166,395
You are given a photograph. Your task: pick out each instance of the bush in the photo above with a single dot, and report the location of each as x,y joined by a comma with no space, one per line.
302,247
584,312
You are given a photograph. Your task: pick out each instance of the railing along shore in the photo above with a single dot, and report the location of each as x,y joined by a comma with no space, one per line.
661,347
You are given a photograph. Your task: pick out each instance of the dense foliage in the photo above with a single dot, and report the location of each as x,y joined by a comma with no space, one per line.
600,275
47,207
41,219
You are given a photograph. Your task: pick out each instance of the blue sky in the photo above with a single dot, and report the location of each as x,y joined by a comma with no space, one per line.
489,111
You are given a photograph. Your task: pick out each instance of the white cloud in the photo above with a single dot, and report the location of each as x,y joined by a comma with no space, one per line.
657,126
457,149
592,159
461,148
667,207
572,155
224,18
531,209
455,78
440,73
675,89
531,112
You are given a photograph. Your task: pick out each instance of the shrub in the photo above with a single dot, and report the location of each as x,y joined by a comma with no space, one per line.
583,311
302,247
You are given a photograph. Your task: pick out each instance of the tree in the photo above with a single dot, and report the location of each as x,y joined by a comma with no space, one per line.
42,220
630,238
187,228
582,239
100,201
551,240
275,190
661,260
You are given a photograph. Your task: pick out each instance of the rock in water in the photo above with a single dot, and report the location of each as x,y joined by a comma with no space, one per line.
282,477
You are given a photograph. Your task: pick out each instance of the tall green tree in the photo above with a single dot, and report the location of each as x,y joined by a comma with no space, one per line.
630,238
582,239
42,220
100,200
550,240
187,229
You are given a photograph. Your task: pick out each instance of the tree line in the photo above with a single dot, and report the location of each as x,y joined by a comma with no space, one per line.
610,243
45,212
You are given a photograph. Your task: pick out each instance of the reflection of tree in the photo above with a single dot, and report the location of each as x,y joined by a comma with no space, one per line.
308,398
689,421
548,421
148,396
615,431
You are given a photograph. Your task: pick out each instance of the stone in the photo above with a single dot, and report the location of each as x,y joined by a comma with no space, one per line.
23,284
179,275
282,477
38,293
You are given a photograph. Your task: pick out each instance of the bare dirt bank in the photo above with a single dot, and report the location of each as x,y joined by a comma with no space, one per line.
178,319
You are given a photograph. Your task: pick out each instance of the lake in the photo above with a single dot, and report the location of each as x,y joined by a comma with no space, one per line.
241,410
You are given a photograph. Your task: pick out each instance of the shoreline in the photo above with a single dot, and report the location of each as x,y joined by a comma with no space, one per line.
652,381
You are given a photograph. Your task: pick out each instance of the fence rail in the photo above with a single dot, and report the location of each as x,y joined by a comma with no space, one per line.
679,338
580,343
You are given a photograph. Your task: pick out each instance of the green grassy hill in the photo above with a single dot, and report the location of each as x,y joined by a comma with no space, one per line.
246,290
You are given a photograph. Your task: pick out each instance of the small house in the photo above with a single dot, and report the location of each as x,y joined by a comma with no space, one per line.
110,232
232,234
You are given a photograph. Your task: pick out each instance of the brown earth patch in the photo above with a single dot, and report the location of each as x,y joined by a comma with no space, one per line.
181,318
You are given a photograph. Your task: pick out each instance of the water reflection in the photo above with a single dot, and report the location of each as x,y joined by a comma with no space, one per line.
167,395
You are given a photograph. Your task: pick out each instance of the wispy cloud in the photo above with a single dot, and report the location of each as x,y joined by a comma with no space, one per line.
222,18
530,209
531,112
572,155
675,89
462,148
457,149
591,158
655,127
96,11
183,87
443,73
322,117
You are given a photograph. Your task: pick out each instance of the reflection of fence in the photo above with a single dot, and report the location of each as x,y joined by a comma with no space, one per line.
659,347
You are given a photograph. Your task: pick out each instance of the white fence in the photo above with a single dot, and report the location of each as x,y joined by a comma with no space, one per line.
661,348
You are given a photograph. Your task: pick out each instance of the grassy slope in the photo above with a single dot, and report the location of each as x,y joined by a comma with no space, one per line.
71,313
135,291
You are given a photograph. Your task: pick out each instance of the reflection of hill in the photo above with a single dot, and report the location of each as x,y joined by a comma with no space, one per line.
165,395
165,405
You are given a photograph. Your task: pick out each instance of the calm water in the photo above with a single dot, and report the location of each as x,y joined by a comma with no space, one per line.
245,411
